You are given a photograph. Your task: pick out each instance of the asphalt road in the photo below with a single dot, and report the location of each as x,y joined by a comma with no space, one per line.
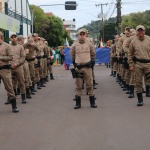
49,122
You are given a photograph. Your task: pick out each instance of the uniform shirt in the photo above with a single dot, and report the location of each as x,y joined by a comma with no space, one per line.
120,45
6,54
82,52
18,54
113,50
33,50
140,49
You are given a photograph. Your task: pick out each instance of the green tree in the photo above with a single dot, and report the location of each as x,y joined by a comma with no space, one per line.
49,27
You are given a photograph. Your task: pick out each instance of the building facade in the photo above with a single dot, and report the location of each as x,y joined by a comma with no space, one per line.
16,17
70,26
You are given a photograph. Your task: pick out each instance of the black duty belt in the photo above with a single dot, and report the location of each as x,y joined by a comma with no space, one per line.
31,59
5,67
88,65
45,56
141,60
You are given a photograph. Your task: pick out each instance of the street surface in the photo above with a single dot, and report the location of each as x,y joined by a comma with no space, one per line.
49,122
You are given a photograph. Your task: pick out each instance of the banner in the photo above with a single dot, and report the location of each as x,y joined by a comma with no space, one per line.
9,23
102,55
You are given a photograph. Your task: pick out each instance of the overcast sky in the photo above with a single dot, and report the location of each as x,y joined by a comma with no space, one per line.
87,11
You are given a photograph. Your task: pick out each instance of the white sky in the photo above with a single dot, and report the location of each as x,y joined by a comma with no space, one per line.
87,11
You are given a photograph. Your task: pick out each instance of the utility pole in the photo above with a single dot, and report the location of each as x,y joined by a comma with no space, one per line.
119,19
102,16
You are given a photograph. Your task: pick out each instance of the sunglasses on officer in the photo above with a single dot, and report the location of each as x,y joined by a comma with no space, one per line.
82,33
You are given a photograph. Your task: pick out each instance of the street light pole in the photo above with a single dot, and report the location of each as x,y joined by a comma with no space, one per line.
32,11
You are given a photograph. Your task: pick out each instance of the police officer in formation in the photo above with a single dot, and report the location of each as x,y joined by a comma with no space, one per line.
83,56
131,58
22,65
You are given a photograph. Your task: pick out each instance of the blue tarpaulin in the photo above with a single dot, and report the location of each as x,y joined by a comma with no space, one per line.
102,55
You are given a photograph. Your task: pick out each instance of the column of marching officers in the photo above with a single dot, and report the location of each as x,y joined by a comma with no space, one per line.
130,62
24,67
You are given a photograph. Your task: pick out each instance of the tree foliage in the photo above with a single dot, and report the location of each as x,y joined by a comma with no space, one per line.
134,19
49,27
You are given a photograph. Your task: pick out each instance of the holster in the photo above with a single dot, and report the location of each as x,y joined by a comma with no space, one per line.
76,74
125,63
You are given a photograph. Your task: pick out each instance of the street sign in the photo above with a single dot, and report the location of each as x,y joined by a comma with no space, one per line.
70,5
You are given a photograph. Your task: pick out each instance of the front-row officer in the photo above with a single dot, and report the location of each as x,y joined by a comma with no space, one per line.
83,56
139,61
5,71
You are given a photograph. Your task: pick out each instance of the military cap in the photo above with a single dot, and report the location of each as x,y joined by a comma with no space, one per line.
35,34
132,30
29,36
140,27
20,37
42,39
81,30
13,34
126,28
116,36
30,40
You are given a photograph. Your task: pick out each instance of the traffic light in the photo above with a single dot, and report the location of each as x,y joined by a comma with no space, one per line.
70,5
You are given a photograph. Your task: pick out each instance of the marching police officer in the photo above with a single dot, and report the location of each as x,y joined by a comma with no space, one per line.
83,56
6,55
17,68
139,60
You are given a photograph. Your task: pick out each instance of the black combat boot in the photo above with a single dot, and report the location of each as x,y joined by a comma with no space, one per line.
33,85
38,85
92,101
32,91
131,93
127,89
28,95
78,102
114,75
42,82
51,76
117,79
15,91
14,106
8,101
140,99
147,91
23,96
111,73
46,78
18,91
125,86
